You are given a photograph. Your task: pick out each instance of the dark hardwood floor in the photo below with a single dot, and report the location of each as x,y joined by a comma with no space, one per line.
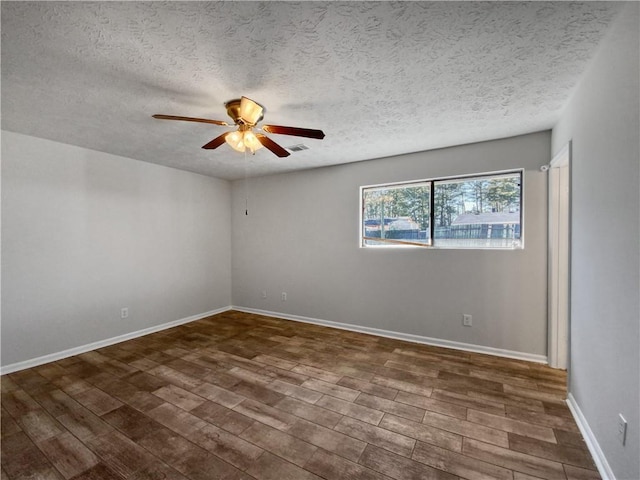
241,396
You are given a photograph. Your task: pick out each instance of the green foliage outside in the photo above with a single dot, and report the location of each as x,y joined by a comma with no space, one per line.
412,202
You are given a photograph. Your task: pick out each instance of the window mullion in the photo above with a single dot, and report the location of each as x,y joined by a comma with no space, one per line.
432,215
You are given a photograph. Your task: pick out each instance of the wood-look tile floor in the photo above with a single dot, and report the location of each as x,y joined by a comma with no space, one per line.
242,396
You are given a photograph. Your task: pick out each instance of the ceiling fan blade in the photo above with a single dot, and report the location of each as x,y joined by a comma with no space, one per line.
216,142
271,145
295,131
191,119
250,112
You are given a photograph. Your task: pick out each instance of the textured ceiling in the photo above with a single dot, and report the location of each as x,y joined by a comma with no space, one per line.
379,78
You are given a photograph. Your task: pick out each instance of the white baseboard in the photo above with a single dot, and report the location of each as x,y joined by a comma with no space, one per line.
34,362
52,357
402,336
590,439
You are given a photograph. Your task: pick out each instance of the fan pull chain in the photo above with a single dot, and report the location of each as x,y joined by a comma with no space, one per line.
246,185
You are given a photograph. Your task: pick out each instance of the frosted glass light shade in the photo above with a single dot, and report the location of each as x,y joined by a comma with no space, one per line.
235,140
250,111
251,141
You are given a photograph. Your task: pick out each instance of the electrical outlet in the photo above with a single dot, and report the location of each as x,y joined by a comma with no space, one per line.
467,320
622,429
124,312
284,296
263,294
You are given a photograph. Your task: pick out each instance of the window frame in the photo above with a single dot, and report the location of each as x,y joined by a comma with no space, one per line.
433,244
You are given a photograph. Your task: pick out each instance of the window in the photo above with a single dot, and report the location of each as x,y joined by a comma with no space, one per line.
397,214
481,211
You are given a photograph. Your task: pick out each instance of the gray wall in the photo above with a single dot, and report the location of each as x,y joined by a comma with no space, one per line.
301,236
602,122
85,233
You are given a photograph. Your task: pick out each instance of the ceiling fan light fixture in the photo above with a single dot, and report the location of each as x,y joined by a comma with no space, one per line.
240,140
236,141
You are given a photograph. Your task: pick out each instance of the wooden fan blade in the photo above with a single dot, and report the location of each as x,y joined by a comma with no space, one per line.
191,119
216,142
271,145
295,131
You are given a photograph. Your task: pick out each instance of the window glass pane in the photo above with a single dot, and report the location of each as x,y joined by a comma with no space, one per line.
396,215
479,212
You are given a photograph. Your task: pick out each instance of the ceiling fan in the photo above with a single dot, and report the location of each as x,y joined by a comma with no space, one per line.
246,114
